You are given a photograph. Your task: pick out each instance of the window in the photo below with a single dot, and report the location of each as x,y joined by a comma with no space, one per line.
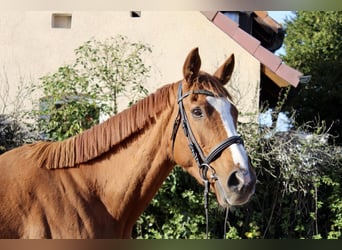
135,14
61,20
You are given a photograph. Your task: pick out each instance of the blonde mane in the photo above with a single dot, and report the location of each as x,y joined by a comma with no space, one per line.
101,138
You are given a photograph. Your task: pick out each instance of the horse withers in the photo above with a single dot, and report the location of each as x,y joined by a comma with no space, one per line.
96,184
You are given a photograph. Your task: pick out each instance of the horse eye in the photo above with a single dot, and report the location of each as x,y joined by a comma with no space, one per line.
197,112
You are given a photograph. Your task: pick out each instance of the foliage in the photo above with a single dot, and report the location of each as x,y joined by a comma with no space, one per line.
298,192
78,93
13,133
69,105
177,211
313,45
115,66
303,171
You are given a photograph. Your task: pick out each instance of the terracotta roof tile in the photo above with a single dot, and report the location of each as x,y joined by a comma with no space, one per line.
225,24
290,74
267,58
246,41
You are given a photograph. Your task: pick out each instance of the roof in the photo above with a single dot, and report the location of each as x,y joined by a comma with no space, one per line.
271,65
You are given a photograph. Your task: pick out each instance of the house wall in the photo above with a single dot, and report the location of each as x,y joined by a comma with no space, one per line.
30,47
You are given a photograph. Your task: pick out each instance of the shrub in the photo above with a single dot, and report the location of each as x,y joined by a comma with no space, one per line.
78,95
13,133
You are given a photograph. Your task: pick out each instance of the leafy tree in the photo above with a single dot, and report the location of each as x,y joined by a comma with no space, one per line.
313,44
116,67
76,94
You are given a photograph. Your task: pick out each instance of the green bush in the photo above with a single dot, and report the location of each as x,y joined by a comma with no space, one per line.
76,95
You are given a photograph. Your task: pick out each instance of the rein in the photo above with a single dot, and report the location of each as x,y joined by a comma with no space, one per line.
203,162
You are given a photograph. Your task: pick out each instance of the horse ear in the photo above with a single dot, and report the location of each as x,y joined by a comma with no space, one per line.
192,66
224,72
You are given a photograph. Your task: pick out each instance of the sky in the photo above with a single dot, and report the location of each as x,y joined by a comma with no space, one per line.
279,16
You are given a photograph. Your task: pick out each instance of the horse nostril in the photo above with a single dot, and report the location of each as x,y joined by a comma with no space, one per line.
236,181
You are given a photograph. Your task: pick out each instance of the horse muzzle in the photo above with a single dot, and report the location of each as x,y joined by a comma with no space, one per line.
237,189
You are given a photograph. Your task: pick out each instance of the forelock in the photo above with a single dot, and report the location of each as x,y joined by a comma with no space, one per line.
211,83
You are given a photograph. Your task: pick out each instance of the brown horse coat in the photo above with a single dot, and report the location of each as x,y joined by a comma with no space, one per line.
96,184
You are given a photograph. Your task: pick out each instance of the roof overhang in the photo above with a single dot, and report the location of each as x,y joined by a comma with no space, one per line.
271,65
274,77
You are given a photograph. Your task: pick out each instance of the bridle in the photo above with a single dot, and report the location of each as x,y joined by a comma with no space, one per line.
203,162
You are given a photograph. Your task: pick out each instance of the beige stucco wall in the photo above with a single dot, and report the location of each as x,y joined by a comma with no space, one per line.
31,48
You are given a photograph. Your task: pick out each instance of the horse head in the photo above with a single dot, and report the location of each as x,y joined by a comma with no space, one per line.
210,148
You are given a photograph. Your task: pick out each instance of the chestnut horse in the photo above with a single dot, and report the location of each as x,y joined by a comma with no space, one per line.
96,184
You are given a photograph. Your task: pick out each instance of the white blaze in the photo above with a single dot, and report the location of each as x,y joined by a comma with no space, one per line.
223,107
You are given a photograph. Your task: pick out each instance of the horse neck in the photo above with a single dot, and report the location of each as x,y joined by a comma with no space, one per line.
127,178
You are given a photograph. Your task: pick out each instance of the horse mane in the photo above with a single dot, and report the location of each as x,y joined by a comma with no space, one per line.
102,137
